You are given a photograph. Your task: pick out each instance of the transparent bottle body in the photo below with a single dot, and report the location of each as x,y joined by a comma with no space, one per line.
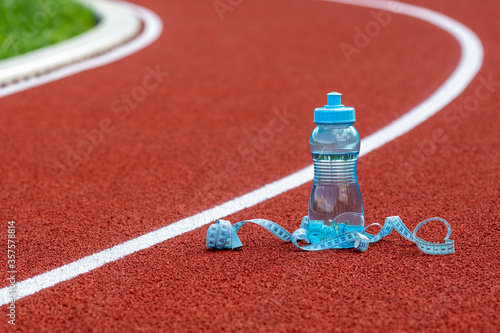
335,195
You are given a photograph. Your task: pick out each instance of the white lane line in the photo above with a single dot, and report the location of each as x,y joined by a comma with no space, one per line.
470,63
153,27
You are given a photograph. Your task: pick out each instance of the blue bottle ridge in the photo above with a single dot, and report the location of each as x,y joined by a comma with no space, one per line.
335,196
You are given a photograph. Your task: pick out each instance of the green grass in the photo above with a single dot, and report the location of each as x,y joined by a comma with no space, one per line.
26,25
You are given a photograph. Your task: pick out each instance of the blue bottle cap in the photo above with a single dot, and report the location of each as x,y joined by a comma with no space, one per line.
334,112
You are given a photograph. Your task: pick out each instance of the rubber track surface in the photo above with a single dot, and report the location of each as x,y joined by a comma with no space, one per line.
196,141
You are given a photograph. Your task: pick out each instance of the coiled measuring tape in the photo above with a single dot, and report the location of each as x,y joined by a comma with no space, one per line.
222,235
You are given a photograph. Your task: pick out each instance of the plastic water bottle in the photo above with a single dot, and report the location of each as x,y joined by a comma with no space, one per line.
335,196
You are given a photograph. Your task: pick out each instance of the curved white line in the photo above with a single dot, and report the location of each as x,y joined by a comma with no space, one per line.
153,27
470,63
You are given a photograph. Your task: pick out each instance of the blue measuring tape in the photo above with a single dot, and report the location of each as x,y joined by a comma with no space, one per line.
222,235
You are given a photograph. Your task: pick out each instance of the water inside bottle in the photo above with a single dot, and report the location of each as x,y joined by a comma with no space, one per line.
335,194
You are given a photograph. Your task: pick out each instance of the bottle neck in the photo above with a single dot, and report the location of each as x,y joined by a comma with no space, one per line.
334,126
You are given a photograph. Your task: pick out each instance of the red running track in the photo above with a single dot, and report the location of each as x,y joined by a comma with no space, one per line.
176,153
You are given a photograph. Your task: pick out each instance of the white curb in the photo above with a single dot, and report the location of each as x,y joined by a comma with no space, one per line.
118,23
